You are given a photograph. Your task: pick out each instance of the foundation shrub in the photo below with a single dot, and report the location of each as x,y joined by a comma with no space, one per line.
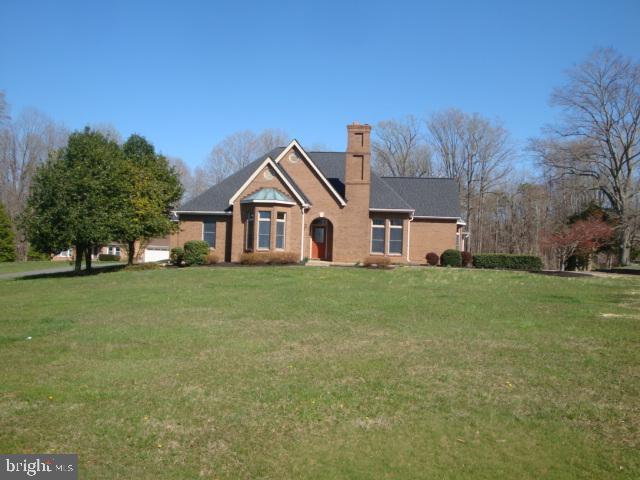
432,258
196,252
451,258
507,261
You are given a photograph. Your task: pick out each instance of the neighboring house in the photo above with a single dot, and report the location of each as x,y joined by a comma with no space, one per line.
324,205
153,250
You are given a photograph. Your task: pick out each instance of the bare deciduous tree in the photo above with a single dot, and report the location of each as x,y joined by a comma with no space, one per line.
238,150
184,173
599,136
399,148
4,109
25,144
477,153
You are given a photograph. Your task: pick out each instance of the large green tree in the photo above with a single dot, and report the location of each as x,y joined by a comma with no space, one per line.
7,237
153,189
78,197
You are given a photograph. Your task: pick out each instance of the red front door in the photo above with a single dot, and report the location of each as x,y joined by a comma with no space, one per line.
318,242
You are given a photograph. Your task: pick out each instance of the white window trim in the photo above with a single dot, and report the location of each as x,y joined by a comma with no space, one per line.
284,231
387,238
401,227
215,235
384,246
258,247
250,218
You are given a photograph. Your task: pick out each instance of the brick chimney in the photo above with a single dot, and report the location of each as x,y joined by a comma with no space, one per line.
357,170
353,239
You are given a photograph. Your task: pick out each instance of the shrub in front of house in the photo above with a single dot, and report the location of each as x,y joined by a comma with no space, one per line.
467,259
105,257
212,259
177,256
376,261
284,258
451,258
268,258
253,258
196,252
432,258
507,261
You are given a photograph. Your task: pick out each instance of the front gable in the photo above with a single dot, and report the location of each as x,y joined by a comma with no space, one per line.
267,175
301,168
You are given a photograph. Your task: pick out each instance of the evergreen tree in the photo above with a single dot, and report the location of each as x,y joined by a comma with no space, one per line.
7,237
78,197
153,189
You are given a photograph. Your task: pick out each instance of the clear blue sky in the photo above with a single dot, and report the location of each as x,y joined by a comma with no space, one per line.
185,73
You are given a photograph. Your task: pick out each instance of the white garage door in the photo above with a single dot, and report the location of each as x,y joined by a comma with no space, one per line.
156,254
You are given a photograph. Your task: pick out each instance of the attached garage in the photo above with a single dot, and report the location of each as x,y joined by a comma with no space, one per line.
155,254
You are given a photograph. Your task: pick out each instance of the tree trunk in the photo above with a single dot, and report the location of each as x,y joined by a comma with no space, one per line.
625,245
87,259
131,249
79,250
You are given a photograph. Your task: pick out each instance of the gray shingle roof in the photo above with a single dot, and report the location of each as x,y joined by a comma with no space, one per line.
436,197
216,198
431,197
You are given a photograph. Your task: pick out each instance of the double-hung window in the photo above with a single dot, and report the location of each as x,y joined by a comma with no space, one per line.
113,250
264,230
209,232
387,236
250,233
377,235
395,236
281,223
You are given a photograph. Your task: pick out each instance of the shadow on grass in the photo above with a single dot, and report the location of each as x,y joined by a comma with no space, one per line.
623,271
558,273
72,273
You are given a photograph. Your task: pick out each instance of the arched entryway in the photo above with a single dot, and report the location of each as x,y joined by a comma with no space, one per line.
321,235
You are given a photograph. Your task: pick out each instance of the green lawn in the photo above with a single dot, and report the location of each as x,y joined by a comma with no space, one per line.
298,372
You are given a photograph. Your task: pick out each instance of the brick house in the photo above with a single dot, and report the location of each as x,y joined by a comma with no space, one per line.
324,205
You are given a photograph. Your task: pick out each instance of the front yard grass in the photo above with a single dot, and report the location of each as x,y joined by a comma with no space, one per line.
296,372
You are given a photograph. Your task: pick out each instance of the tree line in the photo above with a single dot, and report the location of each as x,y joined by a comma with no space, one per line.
589,158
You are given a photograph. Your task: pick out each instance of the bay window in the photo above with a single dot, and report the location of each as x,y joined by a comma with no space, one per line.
250,232
281,220
264,230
